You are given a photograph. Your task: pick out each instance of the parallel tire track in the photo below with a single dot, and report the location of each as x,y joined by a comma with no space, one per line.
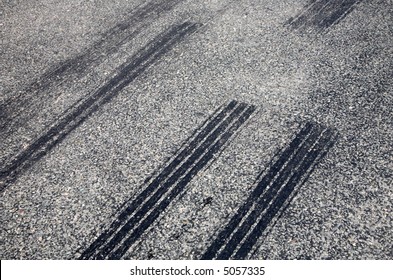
141,212
271,193
20,109
80,111
322,14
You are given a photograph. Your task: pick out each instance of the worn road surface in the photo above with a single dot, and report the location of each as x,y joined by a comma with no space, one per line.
190,129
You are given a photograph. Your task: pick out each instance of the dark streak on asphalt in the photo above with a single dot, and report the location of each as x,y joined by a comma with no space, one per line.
292,168
322,14
80,111
138,216
16,111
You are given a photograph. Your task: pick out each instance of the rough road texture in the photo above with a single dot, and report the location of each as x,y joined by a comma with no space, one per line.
184,129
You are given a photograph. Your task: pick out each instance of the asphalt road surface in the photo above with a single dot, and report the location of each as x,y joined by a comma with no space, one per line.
190,129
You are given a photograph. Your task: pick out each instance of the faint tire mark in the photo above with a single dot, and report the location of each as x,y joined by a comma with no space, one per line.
322,14
80,111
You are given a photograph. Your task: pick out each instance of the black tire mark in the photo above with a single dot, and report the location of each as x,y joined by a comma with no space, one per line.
329,144
322,14
273,171
272,186
80,111
271,193
182,154
21,108
181,185
318,152
169,184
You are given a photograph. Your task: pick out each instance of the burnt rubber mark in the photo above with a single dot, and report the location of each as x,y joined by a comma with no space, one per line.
142,211
272,193
322,14
22,107
79,112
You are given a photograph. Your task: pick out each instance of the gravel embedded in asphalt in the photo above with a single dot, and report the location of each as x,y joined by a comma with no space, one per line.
60,198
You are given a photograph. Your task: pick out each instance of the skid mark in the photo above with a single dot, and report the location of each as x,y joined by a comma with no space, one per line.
23,106
140,213
272,193
80,111
322,14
